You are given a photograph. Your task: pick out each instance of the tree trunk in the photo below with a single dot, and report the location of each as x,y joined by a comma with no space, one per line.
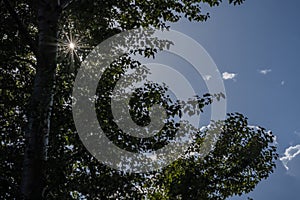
39,113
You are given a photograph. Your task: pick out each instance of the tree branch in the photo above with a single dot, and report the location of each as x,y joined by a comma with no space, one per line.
22,28
64,3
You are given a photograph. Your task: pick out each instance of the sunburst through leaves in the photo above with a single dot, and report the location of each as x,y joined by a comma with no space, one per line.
70,47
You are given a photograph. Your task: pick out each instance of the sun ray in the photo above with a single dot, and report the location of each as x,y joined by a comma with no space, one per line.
70,45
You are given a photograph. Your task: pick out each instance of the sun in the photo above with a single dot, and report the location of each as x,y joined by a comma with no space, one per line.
69,45
72,46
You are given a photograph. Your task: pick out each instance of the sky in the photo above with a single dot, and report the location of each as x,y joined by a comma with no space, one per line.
256,47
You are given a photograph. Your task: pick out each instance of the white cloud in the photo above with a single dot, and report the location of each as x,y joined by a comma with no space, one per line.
227,75
289,154
282,83
265,71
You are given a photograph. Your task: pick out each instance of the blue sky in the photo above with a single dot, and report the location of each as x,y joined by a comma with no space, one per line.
259,42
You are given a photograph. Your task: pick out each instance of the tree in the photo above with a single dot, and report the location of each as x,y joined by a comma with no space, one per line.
37,90
242,157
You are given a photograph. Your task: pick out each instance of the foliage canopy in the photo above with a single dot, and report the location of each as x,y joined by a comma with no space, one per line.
243,155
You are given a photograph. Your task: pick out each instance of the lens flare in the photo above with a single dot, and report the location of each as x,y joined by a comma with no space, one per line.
72,45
